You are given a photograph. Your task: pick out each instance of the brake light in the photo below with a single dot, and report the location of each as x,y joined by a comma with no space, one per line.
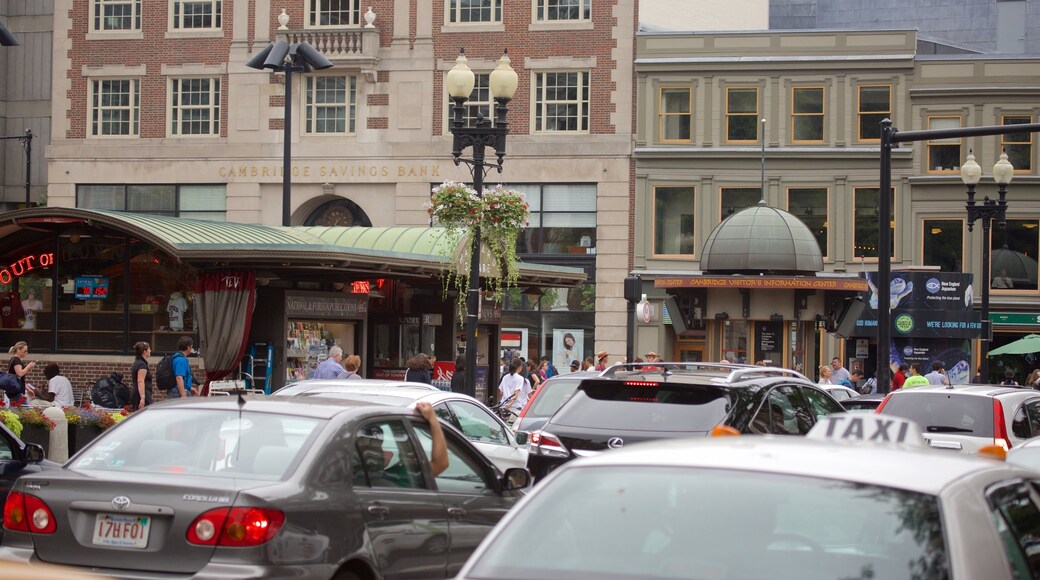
28,513
547,444
235,527
1000,436
642,384
883,403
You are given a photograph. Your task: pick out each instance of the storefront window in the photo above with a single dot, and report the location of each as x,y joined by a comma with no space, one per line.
161,299
26,292
734,341
92,293
562,219
943,244
1014,257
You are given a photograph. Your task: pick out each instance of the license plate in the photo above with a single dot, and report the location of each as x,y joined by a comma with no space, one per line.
122,531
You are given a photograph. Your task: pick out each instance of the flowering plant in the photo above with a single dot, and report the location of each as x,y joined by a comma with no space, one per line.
12,422
89,417
33,417
500,213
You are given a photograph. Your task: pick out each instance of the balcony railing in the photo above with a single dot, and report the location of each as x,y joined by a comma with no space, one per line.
341,45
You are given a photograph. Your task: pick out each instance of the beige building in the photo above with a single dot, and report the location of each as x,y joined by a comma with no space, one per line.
721,115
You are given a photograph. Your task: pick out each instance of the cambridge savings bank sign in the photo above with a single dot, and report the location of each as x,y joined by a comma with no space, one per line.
340,171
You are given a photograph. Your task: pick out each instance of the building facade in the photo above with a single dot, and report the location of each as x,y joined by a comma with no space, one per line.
792,118
155,111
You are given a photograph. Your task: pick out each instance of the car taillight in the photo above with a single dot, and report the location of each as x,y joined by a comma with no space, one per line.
28,513
883,403
1000,435
235,527
547,444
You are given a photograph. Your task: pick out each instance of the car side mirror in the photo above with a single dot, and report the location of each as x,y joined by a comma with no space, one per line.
516,478
33,453
521,437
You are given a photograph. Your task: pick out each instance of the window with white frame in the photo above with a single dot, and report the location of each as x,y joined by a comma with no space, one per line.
196,14
114,15
195,106
333,13
464,11
944,155
198,201
331,104
115,107
561,101
549,10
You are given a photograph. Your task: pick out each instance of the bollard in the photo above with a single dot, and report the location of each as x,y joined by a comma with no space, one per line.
59,447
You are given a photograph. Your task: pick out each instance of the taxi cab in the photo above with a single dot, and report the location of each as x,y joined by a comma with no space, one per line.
862,496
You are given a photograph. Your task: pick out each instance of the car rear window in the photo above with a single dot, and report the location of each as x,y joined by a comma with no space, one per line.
645,406
671,522
554,393
954,413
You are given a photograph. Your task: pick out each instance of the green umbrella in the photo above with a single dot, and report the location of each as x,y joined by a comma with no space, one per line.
1027,344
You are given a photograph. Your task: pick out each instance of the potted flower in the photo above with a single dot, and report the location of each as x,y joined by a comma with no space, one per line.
11,421
83,426
500,213
36,427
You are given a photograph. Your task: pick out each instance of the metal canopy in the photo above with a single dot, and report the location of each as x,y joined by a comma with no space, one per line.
761,239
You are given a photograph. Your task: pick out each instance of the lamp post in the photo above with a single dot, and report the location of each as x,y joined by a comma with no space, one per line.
763,158
280,55
989,210
460,81
27,145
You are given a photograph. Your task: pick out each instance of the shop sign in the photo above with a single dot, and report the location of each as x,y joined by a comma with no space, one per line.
25,265
325,306
927,324
765,283
432,319
91,287
389,374
1015,318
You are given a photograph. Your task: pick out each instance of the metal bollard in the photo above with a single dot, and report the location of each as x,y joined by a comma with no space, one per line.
59,447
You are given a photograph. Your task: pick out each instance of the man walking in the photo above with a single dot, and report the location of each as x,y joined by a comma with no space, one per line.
838,372
915,379
331,368
182,370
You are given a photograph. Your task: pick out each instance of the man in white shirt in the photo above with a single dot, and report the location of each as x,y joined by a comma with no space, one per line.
838,372
59,389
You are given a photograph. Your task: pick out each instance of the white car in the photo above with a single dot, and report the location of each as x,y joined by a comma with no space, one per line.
840,393
758,507
480,425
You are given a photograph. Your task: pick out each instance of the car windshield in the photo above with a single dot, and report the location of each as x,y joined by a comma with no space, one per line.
552,396
668,522
202,442
645,406
945,412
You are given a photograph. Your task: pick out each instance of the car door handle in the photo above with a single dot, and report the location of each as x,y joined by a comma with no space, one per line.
456,513
378,510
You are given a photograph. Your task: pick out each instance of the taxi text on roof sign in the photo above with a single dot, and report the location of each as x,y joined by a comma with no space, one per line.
868,429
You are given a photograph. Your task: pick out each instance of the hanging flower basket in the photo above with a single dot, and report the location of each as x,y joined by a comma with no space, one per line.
501,214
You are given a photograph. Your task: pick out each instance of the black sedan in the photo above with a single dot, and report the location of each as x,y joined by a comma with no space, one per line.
235,487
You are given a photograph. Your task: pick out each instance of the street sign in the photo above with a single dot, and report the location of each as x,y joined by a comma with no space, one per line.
1013,318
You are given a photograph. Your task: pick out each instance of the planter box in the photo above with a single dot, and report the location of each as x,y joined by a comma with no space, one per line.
80,436
39,435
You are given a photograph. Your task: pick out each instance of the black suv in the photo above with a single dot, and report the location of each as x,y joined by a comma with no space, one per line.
639,402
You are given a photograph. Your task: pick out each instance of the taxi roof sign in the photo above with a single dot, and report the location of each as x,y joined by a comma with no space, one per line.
864,428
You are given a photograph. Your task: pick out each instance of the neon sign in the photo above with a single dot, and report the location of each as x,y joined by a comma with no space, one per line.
25,265
361,287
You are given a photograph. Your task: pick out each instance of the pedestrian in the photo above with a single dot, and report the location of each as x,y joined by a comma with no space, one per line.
825,375
141,377
17,367
899,377
332,367
182,370
58,390
514,390
458,377
1009,379
533,376
838,372
550,368
937,376
601,360
1033,382
915,379
575,366
418,369
855,376
652,357
586,364
352,365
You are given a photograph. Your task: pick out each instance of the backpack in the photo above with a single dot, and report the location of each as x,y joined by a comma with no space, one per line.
868,386
164,377
103,394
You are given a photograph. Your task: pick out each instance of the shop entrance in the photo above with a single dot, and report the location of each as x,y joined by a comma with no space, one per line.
308,343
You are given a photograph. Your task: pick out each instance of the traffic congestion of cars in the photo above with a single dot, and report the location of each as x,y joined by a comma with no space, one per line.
669,470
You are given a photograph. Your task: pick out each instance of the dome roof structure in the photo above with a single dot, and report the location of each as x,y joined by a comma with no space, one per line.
761,240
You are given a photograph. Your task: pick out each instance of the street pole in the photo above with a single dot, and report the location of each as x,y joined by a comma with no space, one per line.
473,292
27,145
987,220
287,148
762,189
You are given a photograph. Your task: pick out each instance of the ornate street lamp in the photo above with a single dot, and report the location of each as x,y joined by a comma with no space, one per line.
460,81
987,211
288,58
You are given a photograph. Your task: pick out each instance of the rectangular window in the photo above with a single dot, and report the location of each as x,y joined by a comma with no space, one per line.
866,222
196,14
197,201
115,107
1013,256
561,101
1018,146
564,9
462,11
675,118
674,210
734,199
810,206
944,155
875,104
562,219
111,15
741,114
331,104
943,244
807,114
333,13
195,106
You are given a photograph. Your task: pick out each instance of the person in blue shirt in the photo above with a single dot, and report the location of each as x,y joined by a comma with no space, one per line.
331,368
182,370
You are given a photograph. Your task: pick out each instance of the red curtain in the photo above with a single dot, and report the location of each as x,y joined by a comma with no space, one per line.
224,302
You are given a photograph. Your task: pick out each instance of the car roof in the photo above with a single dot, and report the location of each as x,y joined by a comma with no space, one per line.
978,390
704,373
339,392
316,407
319,383
920,470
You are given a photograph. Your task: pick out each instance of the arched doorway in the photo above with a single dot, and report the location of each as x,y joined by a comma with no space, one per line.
338,212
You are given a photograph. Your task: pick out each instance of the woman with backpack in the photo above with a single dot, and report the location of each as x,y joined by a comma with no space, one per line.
141,377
